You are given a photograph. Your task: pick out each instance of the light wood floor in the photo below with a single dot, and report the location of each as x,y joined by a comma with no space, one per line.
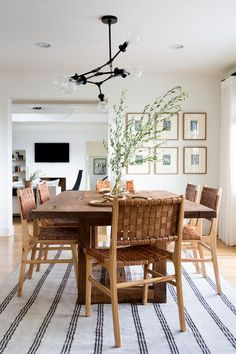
10,252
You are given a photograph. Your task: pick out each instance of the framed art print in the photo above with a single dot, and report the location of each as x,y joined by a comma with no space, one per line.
195,160
168,125
139,119
194,126
167,161
140,168
99,166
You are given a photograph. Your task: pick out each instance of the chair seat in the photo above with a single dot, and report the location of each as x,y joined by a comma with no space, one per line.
58,233
190,233
133,255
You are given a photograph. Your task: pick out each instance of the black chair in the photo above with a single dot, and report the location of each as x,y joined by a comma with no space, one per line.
78,181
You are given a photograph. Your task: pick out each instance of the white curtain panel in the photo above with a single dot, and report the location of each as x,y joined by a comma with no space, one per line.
227,218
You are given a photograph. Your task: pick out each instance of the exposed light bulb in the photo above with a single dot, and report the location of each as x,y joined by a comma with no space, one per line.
65,84
133,37
102,106
134,71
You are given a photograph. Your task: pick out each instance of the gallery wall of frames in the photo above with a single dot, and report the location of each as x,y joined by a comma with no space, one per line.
188,129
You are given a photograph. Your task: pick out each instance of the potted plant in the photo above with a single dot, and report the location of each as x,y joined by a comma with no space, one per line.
33,176
124,141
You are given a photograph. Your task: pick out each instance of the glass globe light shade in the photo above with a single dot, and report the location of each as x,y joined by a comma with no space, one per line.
65,84
102,106
134,71
133,37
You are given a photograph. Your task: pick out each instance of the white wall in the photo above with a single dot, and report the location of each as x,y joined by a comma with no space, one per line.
204,97
77,134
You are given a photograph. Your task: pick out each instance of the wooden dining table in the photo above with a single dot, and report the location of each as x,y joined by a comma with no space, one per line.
75,205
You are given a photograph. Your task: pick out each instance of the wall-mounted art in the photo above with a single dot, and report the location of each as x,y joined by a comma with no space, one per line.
167,161
194,126
168,126
140,167
195,160
139,119
99,166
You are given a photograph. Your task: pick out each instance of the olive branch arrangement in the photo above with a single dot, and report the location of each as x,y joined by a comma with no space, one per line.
124,142
34,175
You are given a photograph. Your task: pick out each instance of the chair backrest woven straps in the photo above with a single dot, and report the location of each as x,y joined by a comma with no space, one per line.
209,197
43,192
191,192
102,184
27,202
147,221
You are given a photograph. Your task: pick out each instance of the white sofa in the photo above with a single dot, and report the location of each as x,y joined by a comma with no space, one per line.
53,191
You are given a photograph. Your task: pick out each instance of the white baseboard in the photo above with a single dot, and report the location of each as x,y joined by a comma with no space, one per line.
7,232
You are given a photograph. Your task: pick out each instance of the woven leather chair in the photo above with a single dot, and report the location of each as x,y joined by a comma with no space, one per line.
102,185
43,196
54,238
192,194
43,192
137,226
193,237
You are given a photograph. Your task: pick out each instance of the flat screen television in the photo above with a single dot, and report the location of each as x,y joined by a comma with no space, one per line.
51,152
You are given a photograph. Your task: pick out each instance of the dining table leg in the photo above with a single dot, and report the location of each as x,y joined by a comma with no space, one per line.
83,243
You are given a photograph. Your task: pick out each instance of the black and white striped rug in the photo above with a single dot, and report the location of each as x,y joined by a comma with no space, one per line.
46,319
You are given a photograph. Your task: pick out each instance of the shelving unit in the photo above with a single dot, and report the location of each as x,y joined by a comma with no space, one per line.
18,165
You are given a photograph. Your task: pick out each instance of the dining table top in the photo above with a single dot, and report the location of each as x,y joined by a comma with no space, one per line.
75,204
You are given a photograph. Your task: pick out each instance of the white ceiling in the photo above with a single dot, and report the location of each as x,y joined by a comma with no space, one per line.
207,28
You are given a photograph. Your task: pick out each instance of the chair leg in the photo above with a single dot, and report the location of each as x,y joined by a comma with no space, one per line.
75,261
88,287
145,286
215,265
115,309
40,256
31,268
195,255
203,266
180,297
22,271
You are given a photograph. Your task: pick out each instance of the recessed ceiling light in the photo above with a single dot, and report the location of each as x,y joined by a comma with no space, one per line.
177,46
42,45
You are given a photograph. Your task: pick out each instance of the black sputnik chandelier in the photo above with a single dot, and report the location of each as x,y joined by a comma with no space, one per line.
105,72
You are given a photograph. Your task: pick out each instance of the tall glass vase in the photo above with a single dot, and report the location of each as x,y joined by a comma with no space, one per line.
118,181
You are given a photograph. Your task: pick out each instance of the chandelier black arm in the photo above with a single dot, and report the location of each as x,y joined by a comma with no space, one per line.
122,49
109,73
101,82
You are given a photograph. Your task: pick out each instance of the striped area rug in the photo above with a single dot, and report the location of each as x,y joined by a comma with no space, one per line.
46,319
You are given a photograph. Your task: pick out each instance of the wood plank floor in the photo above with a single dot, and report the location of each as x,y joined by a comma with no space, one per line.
10,252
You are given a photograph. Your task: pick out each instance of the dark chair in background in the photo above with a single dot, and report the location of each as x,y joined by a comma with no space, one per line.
78,181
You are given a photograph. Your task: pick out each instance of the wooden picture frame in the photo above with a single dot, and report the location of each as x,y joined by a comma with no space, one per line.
169,124
194,126
195,160
167,163
140,169
137,119
99,165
